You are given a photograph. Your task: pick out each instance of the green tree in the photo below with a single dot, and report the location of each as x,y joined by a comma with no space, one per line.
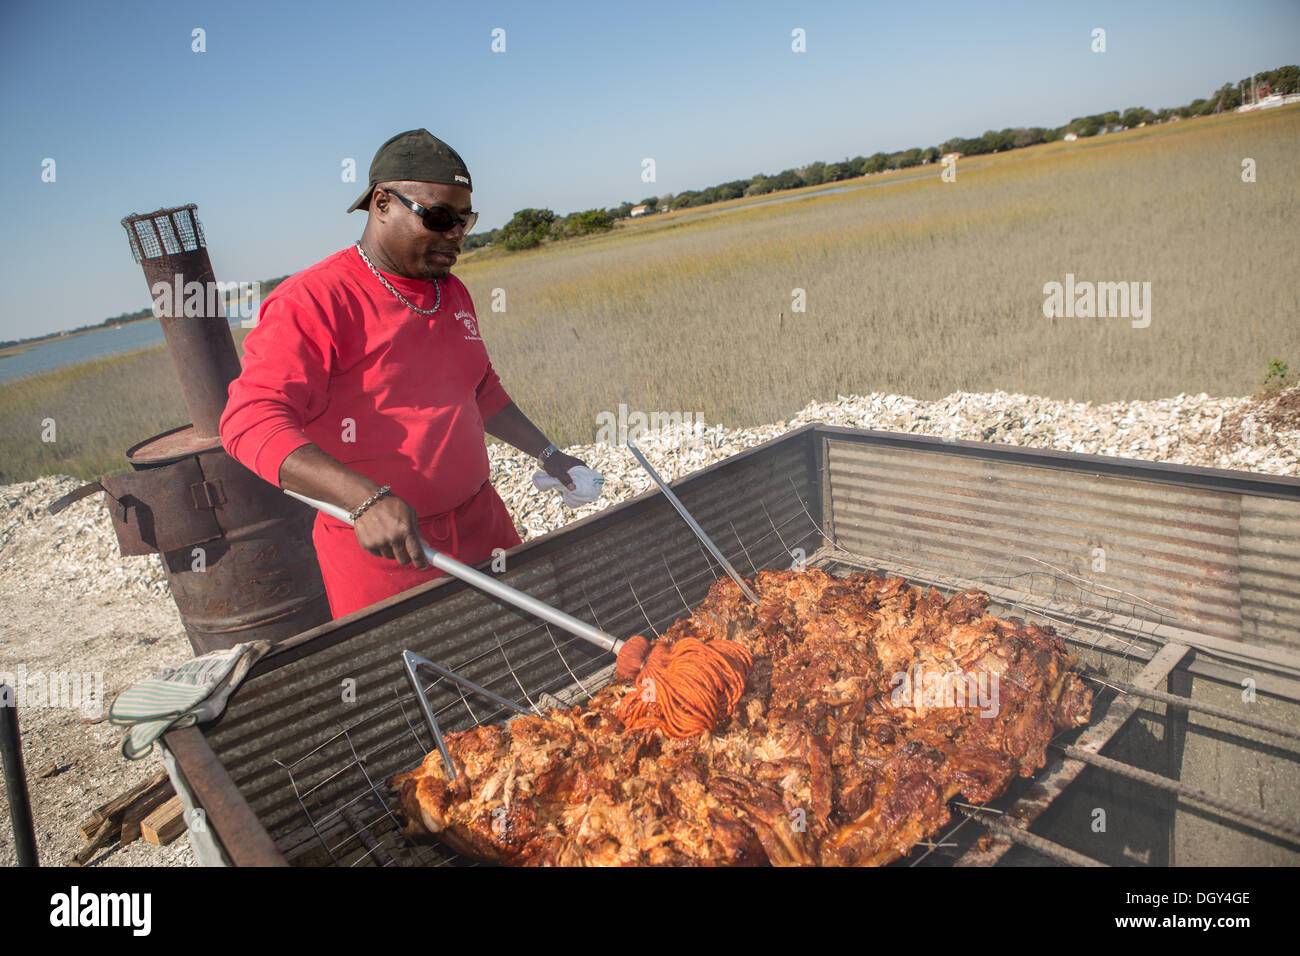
995,141
478,240
1285,79
813,174
593,220
1230,94
787,179
908,158
527,228
1021,137
874,163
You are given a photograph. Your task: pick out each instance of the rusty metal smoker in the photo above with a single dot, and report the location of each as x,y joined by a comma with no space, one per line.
238,553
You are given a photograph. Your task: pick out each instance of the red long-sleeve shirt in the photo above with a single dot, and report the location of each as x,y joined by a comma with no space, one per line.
336,359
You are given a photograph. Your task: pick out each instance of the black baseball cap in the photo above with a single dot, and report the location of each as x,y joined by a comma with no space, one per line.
415,156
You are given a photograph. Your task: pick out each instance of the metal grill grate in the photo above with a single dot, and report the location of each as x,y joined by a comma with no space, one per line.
1122,637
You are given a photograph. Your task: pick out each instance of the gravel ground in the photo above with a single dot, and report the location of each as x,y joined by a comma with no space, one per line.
70,603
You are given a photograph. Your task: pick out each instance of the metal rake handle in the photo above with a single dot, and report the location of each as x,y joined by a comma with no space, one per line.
490,585
694,525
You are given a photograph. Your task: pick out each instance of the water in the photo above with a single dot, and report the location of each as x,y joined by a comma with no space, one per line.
820,192
706,211
56,353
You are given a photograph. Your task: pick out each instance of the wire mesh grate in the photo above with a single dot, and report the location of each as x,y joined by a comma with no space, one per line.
147,243
171,245
165,232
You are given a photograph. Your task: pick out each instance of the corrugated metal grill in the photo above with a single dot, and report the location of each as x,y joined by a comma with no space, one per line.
1175,547
1021,525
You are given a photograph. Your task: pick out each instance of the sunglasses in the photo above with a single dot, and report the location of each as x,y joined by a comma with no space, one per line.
439,218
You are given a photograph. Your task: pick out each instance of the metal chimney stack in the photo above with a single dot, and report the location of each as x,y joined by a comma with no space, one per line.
238,552
169,245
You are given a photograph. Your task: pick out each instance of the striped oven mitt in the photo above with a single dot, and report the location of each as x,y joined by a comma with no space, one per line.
180,696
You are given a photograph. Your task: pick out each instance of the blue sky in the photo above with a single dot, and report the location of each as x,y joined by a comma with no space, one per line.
256,128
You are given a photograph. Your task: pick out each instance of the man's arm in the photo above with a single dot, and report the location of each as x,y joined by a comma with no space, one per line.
285,377
512,425
388,529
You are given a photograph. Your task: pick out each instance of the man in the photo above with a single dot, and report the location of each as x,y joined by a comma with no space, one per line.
366,384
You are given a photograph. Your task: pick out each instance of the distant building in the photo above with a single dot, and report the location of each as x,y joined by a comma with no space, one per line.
1071,137
1117,129
638,211
1266,102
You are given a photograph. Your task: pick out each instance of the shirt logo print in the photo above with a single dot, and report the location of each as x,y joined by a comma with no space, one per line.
471,326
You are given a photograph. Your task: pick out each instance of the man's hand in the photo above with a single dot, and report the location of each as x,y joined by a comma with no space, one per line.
558,465
512,425
390,528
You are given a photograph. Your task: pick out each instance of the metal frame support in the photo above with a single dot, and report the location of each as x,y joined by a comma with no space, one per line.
1040,796
413,663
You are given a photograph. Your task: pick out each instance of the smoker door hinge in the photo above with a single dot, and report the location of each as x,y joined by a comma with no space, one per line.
208,494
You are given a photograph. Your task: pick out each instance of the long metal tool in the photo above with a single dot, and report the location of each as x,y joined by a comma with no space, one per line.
490,585
694,525
20,807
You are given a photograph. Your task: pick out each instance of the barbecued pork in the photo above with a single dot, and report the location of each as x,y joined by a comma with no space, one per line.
871,704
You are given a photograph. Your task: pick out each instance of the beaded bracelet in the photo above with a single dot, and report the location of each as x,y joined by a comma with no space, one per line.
370,501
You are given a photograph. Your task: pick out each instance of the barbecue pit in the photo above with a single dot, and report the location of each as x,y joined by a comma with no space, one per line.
1175,586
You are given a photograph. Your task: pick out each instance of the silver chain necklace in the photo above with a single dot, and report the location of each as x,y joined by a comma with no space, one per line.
389,287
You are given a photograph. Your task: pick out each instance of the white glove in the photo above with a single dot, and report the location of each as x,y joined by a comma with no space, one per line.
587,485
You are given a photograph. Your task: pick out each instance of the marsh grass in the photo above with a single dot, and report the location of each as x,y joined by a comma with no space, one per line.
923,287
913,286
99,408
